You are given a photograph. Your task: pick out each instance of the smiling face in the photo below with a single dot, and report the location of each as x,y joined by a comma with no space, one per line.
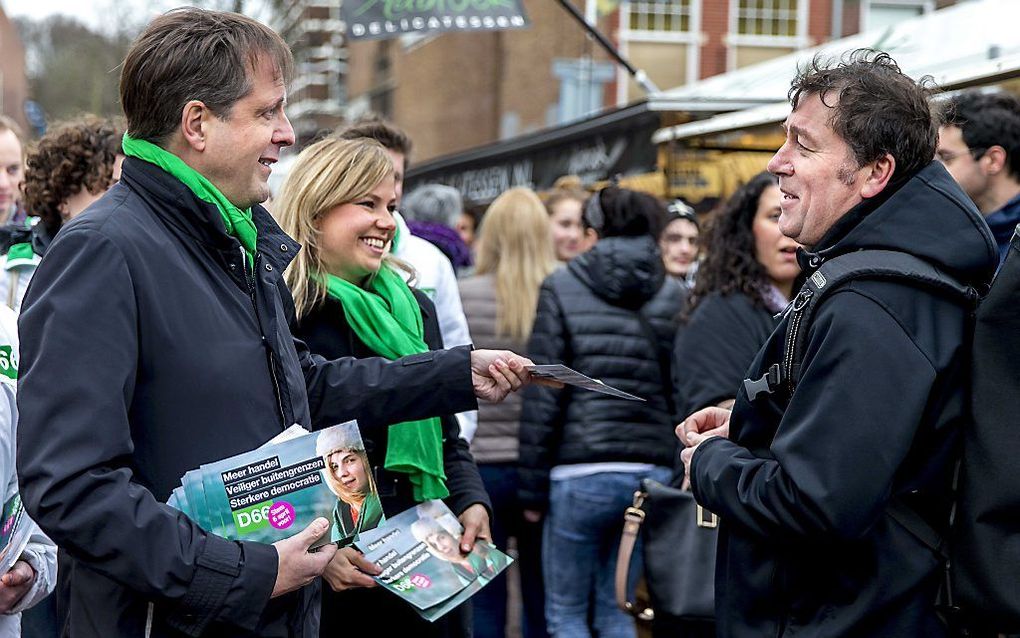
818,176
354,235
679,246
567,232
12,171
776,252
444,543
350,471
241,147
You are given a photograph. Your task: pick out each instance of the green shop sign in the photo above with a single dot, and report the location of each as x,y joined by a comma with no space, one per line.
377,19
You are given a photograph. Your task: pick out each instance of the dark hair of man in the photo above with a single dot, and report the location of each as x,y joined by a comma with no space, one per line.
626,213
71,156
987,120
378,129
194,54
730,265
876,109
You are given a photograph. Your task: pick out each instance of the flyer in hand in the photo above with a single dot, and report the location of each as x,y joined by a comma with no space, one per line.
419,553
278,489
563,374
14,535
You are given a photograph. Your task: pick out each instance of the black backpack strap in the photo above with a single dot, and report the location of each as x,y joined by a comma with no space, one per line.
865,264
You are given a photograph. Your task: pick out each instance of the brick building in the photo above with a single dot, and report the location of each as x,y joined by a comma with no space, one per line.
459,91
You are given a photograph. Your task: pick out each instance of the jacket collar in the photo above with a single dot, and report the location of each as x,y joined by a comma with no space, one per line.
177,205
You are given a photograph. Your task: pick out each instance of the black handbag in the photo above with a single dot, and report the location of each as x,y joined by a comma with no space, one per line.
679,542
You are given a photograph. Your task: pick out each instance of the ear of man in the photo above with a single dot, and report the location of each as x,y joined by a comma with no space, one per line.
194,118
877,175
994,160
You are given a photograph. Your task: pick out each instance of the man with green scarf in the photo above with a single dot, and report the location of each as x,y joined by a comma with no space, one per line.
155,338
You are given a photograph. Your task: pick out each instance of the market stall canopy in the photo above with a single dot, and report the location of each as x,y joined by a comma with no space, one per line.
969,43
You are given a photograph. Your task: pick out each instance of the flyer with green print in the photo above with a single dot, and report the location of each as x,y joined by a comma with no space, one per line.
278,489
419,553
15,530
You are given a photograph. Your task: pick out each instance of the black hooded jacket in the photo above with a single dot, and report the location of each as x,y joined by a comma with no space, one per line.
806,544
588,319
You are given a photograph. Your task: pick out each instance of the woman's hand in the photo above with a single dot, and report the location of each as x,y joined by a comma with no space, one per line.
350,569
475,520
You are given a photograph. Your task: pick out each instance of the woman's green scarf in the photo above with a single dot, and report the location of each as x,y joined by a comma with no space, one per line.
387,318
237,222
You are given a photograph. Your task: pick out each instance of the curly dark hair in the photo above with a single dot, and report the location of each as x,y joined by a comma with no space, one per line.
876,108
730,265
73,155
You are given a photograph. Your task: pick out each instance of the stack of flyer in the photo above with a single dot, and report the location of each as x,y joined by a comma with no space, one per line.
278,489
16,529
419,553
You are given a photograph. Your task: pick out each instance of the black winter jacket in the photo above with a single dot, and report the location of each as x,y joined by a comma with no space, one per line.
806,544
147,351
588,319
326,331
714,348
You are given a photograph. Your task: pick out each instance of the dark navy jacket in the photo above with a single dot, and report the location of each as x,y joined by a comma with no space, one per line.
806,546
147,351
1003,224
587,319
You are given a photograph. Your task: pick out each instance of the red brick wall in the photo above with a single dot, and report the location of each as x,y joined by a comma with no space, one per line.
715,16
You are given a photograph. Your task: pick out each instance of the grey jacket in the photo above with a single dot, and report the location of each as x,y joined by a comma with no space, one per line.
496,438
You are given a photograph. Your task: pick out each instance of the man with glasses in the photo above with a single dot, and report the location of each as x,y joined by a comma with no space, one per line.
979,143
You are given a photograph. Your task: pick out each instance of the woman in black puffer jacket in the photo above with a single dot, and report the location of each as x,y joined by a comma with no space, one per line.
609,314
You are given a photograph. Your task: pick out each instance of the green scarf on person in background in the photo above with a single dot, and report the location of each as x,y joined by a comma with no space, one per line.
238,222
387,318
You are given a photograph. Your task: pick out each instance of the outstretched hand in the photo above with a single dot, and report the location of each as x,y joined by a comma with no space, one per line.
497,373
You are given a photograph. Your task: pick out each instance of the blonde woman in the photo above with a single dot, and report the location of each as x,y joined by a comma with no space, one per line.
338,202
514,254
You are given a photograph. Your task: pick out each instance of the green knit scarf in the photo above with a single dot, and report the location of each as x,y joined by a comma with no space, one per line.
237,222
387,318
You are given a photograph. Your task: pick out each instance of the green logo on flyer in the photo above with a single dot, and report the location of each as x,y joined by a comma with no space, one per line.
252,518
8,362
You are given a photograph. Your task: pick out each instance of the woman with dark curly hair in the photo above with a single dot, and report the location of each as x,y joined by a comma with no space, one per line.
745,279
71,167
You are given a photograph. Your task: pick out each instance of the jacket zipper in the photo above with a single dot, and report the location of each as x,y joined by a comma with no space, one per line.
269,354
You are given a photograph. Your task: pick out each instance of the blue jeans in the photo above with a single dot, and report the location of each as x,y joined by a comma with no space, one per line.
580,541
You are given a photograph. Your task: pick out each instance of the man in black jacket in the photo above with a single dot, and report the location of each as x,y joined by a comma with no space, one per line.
155,338
803,482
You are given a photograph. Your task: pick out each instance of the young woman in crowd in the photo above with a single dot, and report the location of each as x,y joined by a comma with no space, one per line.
514,256
679,242
609,314
746,277
564,207
349,300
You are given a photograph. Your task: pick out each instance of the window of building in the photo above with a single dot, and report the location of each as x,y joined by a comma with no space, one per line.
880,14
670,16
582,87
768,17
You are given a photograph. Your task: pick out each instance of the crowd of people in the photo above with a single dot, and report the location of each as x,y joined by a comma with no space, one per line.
168,319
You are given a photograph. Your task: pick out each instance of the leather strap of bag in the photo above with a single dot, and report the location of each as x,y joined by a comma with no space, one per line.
632,520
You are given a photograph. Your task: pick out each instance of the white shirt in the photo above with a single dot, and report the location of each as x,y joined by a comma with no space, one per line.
434,276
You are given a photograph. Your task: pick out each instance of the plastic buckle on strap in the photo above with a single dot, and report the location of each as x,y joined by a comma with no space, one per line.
767,384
